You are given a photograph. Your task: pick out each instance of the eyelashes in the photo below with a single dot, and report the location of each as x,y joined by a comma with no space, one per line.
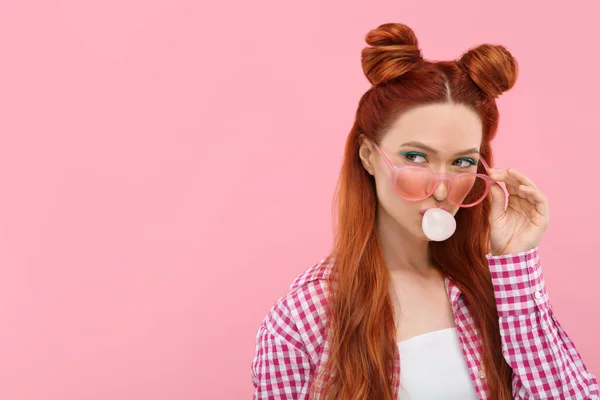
413,157
410,154
469,160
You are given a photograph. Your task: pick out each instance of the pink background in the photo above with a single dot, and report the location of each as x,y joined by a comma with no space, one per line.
168,167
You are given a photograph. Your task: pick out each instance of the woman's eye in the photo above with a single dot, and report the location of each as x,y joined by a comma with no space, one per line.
466,162
418,158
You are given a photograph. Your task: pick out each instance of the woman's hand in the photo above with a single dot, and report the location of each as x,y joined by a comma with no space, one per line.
521,226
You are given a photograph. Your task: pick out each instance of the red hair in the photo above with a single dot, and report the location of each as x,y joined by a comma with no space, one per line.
361,326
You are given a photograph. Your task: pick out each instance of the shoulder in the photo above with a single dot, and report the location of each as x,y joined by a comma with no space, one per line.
317,273
306,300
299,317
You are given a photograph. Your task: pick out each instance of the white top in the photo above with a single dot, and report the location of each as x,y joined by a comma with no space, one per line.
433,367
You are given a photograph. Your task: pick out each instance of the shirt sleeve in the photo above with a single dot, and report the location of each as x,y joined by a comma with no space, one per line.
281,368
545,362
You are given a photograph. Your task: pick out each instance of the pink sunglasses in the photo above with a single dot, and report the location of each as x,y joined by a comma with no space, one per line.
415,183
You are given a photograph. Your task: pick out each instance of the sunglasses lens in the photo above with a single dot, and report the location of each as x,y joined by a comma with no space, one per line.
418,183
415,184
467,189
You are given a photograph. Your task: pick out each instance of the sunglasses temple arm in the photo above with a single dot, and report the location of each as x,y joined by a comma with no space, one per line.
485,165
487,168
385,159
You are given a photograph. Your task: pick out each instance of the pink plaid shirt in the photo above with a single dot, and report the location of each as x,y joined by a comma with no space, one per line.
291,341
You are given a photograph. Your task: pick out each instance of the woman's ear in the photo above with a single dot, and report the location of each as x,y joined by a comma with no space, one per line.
366,152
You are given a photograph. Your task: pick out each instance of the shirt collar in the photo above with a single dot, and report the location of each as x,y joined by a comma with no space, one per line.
453,292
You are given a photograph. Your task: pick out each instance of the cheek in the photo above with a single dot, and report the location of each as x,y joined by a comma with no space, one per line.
387,195
402,210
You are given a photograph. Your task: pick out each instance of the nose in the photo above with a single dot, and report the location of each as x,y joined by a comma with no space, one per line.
441,191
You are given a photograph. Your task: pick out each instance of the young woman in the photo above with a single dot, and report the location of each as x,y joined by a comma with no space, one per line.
391,314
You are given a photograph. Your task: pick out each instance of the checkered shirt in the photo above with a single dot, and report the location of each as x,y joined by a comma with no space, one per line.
291,343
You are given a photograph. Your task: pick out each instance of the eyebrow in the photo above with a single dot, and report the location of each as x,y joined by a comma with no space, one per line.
434,151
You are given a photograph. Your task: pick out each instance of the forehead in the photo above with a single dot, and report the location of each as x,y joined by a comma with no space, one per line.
448,128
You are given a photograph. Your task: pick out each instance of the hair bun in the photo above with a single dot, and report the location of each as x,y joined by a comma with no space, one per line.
491,67
394,51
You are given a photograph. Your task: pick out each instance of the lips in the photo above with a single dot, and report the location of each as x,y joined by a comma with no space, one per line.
423,211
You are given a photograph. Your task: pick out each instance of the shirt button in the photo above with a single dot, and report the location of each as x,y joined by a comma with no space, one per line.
481,373
538,295
531,263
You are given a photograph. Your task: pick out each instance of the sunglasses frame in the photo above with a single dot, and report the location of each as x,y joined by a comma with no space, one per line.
439,176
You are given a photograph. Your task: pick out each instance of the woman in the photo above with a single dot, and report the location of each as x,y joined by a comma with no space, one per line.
391,314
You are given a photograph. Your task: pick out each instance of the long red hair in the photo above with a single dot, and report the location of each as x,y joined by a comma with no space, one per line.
361,326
